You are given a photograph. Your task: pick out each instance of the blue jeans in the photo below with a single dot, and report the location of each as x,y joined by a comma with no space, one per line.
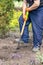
36,18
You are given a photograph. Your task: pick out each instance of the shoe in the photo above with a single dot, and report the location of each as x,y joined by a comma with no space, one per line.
20,43
36,49
18,40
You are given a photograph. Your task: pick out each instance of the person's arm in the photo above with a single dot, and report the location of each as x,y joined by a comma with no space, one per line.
34,6
24,7
24,10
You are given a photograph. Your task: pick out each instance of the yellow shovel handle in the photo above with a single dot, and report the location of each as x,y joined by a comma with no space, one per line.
23,27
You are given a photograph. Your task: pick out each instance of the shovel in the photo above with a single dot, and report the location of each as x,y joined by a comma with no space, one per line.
22,31
21,34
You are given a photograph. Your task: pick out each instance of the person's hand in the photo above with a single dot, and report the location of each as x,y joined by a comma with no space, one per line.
27,9
24,17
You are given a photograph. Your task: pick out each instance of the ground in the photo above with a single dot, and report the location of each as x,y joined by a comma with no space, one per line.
10,56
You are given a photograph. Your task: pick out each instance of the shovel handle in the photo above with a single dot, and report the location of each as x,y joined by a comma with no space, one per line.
23,27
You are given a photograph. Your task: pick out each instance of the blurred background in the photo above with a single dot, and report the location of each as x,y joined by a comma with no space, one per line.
10,11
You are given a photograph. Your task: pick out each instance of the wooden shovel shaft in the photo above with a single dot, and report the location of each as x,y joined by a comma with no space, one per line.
21,33
23,28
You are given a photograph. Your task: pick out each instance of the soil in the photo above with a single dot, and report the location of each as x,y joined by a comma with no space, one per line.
9,55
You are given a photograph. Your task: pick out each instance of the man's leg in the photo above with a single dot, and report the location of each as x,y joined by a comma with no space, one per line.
25,36
37,37
37,25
